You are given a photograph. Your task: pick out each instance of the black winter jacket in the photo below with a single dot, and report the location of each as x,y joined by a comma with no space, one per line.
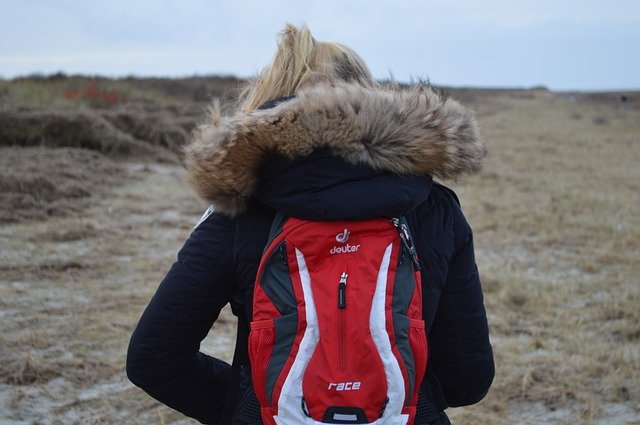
219,261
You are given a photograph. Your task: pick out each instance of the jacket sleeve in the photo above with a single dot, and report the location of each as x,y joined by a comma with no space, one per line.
461,355
163,357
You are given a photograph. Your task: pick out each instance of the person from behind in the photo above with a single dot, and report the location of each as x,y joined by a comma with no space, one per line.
314,137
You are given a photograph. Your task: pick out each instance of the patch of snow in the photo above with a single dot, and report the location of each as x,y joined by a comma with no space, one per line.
101,390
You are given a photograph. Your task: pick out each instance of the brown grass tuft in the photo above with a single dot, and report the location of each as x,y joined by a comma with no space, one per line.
78,129
42,182
29,369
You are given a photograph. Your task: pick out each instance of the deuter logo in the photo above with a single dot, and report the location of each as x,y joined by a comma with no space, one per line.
343,237
344,249
345,386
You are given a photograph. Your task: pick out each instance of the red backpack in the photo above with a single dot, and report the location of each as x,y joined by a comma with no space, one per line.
337,334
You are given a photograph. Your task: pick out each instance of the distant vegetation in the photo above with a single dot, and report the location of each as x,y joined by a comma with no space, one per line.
97,91
150,117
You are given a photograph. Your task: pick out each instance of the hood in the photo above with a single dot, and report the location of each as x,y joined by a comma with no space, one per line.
415,132
321,186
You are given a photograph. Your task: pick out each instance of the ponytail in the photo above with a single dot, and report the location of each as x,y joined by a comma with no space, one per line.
300,61
289,64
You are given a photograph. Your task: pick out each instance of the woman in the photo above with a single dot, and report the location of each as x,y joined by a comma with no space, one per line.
316,138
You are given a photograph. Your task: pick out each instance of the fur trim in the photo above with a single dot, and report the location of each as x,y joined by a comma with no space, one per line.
410,131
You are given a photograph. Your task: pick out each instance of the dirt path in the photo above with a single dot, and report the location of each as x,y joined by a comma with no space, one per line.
71,292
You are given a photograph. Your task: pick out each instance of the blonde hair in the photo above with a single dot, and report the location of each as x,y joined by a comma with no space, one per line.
300,61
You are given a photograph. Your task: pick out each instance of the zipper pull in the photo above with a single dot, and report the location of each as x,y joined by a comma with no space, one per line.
407,242
342,290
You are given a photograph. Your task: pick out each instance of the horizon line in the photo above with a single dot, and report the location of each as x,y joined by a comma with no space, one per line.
532,87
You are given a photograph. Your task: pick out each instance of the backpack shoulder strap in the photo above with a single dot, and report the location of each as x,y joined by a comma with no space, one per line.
276,227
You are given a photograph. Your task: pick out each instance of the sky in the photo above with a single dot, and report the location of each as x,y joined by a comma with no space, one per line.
561,44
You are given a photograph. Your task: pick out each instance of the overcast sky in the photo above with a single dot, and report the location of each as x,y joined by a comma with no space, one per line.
570,44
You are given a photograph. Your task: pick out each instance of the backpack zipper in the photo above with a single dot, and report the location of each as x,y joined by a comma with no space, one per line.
342,291
342,305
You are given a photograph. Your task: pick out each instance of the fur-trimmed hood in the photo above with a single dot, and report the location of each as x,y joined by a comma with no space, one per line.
416,131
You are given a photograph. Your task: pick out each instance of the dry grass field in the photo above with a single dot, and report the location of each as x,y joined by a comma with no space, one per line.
87,231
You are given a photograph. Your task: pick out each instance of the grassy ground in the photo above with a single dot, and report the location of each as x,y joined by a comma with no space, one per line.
557,238
73,288
557,233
